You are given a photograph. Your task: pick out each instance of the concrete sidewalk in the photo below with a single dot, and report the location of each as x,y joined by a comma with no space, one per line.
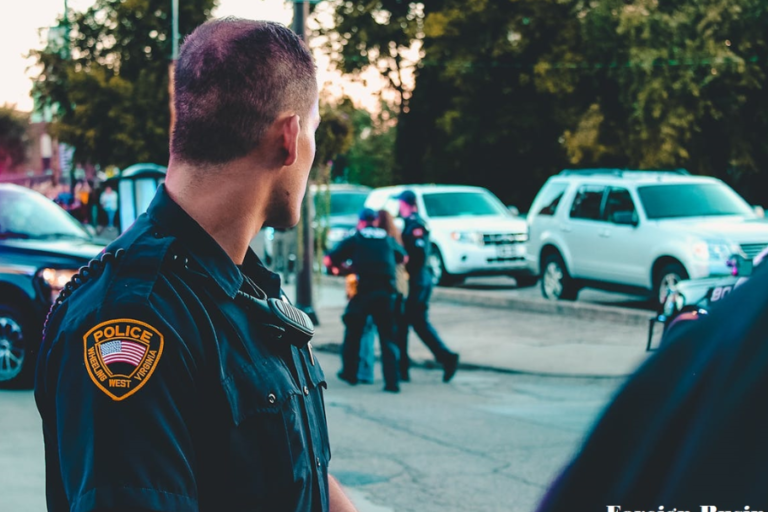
518,336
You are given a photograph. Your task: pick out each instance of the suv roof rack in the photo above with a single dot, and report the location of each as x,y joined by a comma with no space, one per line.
620,172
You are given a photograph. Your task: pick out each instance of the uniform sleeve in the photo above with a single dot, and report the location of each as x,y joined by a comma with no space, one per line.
342,252
121,386
400,253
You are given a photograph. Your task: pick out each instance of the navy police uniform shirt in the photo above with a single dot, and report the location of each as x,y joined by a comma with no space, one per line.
374,256
417,244
159,389
687,431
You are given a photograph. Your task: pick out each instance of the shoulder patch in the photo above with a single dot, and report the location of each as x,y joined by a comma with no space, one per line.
417,232
121,356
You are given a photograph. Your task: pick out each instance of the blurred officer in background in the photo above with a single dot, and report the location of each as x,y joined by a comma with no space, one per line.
420,282
374,255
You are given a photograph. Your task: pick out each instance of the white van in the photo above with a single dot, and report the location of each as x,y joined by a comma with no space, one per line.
472,232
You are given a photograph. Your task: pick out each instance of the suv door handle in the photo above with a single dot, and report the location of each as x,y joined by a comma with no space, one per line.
564,228
605,233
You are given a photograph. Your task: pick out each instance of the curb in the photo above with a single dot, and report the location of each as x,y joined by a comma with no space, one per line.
582,310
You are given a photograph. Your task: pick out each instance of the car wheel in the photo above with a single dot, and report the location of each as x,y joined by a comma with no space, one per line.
525,281
666,281
16,364
440,276
556,282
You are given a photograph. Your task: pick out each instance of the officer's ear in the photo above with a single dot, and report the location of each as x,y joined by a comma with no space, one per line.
289,130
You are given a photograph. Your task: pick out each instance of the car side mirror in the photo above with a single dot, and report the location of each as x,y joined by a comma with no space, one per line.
513,210
625,218
759,211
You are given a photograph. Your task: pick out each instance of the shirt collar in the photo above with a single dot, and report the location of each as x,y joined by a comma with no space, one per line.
172,220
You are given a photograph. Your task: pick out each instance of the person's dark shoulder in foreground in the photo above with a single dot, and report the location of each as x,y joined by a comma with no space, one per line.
688,429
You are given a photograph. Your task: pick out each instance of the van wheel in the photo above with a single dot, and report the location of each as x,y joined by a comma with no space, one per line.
556,282
440,276
16,363
666,280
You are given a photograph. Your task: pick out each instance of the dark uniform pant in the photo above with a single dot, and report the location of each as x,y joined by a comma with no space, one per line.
381,306
417,316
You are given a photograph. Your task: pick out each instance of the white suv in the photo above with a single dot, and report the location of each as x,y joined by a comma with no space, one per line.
471,230
637,232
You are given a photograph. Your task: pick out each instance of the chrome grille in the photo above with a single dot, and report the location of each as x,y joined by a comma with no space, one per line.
504,238
752,250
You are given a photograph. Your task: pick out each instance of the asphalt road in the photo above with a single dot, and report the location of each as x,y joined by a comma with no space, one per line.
487,441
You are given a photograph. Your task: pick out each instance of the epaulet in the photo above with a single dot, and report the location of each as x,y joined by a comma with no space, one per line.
140,267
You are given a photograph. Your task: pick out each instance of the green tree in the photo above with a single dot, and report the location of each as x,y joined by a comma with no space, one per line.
13,138
112,95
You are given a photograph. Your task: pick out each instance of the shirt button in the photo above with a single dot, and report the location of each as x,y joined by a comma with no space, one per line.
157,234
306,390
272,398
318,461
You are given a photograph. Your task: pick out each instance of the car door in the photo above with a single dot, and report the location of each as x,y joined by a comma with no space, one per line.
580,232
621,249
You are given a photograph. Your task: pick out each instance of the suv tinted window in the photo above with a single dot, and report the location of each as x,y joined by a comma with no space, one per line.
550,198
691,200
587,203
619,200
454,204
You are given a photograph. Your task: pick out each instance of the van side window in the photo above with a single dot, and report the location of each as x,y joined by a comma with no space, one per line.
588,202
550,198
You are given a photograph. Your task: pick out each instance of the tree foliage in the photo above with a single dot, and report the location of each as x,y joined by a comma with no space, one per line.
13,138
112,95
512,91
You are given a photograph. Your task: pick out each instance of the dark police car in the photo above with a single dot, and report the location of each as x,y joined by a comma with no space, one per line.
41,248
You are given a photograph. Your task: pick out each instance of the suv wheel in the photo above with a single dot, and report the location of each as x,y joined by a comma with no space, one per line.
440,276
556,282
15,361
666,281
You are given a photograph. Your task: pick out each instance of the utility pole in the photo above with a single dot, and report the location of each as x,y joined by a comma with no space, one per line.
174,57
67,54
304,299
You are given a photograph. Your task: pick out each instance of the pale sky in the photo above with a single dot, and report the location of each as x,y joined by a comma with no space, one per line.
22,21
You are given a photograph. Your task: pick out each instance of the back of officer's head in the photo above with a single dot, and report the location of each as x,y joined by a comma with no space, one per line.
232,80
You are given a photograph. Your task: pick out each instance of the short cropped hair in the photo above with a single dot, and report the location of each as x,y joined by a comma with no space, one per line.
232,79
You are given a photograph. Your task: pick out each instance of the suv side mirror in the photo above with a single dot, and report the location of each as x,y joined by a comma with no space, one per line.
513,210
759,211
625,218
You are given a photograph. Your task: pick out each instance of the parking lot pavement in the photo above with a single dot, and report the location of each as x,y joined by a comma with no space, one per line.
508,339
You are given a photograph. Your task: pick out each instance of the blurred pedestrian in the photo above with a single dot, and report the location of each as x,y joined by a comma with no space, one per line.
374,255
420,281
365,370
108,201
686,430
387,223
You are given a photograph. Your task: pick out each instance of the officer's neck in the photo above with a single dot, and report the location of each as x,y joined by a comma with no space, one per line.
220,201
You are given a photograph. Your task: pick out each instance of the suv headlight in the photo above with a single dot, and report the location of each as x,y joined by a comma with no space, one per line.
55,279
716,250
467,237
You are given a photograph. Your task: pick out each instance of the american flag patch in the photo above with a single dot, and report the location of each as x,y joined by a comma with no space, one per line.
122,351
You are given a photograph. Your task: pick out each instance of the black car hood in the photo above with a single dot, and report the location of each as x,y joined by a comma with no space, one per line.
75,248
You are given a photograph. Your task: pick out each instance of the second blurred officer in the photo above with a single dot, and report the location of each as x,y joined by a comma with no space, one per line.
416,241
374,255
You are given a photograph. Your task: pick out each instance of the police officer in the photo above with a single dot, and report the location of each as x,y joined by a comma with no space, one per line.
687,430
174,376
374,255
418,246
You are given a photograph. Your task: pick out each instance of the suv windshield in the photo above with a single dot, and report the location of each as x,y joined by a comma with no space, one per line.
26,214
691,200
341,203
462,204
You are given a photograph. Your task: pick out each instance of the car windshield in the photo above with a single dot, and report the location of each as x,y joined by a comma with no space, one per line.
691,200
462,204
341,203
27,214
